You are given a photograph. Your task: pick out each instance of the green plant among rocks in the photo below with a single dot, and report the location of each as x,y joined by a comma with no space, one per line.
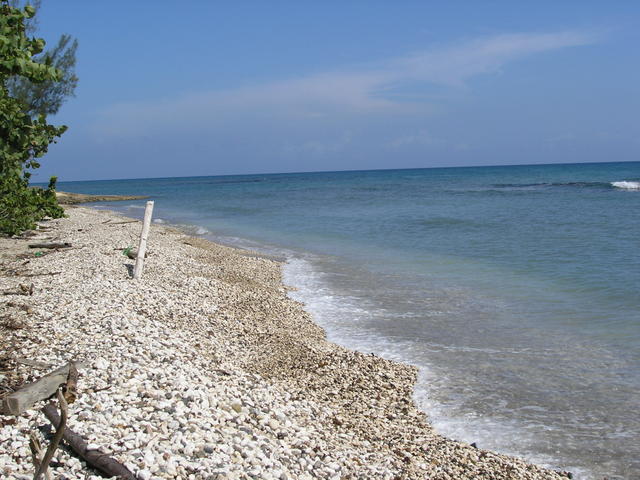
23,139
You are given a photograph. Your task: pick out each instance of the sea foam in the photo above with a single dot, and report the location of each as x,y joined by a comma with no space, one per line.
626,185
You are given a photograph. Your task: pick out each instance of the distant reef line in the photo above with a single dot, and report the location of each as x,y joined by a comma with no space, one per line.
67,198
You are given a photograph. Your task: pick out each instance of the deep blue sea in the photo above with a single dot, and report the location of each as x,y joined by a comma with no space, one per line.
515,289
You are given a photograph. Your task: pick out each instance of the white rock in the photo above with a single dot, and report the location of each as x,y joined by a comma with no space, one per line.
144,474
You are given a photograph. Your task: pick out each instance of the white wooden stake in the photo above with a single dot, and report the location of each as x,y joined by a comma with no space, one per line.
142,246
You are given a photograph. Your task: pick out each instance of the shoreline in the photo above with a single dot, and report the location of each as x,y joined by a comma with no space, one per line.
246,350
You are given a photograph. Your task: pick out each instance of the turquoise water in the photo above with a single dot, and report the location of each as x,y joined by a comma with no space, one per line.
514,289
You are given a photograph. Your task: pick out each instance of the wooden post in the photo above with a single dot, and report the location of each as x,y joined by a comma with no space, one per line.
142,246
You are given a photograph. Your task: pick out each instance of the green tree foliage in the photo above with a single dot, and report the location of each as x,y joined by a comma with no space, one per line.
48,96
23,138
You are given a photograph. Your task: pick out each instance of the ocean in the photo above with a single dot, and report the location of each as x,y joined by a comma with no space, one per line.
514,289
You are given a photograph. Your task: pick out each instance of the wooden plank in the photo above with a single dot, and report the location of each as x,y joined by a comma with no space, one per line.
21,400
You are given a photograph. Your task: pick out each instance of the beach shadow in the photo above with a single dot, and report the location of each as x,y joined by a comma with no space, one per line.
129,269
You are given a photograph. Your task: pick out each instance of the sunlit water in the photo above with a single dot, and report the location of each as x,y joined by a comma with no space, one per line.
514,289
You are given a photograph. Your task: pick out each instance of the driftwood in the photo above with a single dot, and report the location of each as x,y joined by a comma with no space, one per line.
37,455
142,246
55,441
70,389
17,402
50,245
100,461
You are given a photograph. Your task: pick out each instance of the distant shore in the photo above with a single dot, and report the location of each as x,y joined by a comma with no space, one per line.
67,198
206,367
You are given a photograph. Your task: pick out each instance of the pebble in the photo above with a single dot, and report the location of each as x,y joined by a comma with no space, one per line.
144,474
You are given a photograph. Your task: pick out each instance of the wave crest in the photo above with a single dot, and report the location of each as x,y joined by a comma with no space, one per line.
626,185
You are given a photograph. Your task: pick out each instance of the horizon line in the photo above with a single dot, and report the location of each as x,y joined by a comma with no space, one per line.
340,171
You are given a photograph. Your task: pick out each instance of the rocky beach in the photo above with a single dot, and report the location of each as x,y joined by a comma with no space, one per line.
204,368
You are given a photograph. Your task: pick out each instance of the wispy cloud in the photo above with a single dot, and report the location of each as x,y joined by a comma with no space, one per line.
360,91
454,65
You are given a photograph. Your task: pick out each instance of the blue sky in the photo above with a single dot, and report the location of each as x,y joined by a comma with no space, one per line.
206,88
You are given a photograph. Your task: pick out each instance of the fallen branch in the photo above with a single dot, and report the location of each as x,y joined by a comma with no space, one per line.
27,396
60,427
50,245
100,461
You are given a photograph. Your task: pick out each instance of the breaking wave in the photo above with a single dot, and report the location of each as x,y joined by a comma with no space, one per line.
626,185
552,184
